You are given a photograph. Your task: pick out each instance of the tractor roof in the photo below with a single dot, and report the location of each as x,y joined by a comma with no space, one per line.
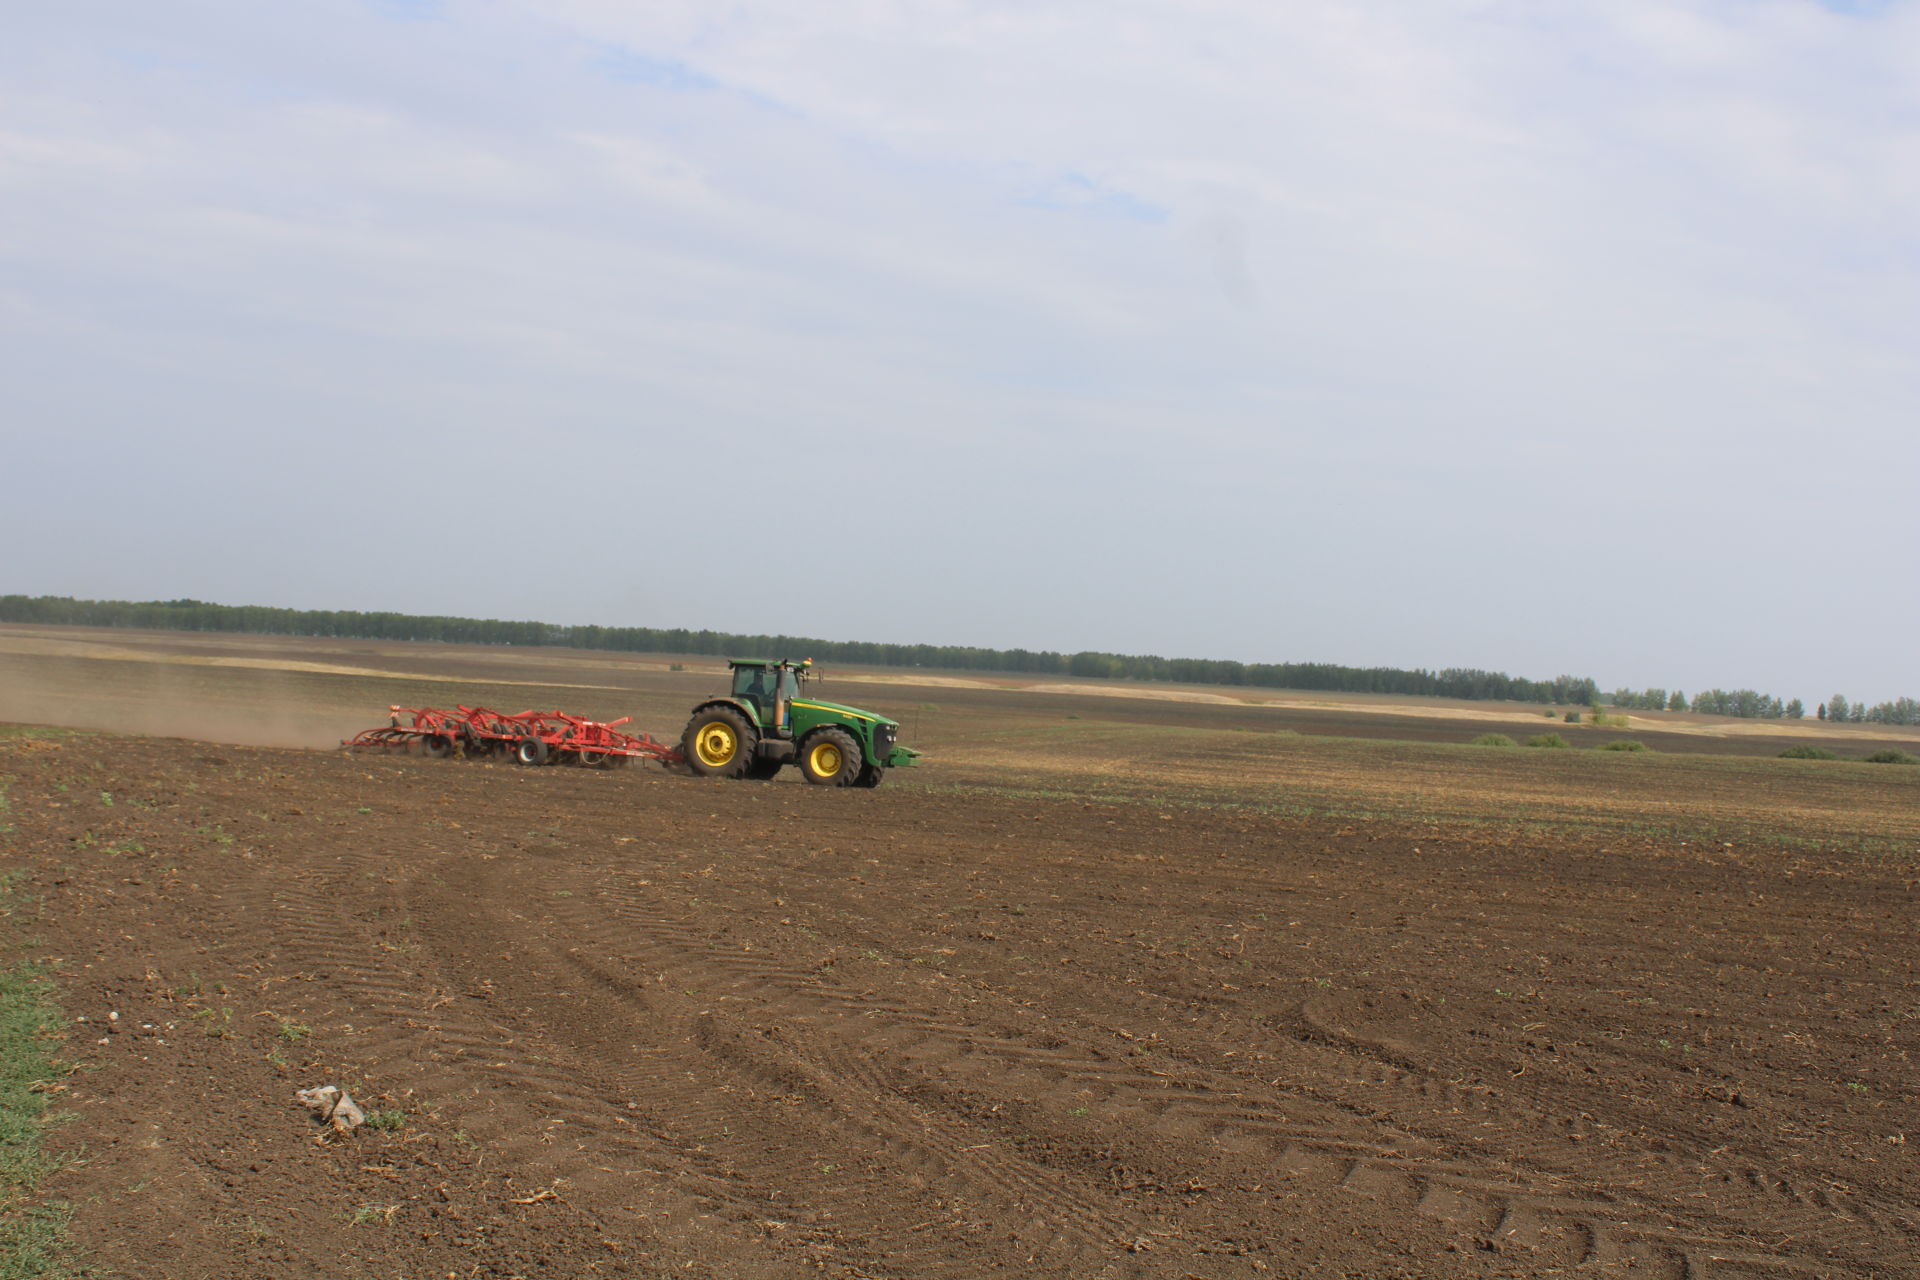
796,663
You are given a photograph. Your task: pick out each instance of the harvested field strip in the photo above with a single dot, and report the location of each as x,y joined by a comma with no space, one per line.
1781,802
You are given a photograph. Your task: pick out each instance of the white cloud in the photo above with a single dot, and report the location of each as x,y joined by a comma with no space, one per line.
1345,292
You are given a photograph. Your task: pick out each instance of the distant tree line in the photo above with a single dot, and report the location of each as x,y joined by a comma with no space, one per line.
1748,704
1899,711
1752,705
197,615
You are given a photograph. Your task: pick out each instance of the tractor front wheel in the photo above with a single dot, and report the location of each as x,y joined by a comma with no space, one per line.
830,758
718,743
870,776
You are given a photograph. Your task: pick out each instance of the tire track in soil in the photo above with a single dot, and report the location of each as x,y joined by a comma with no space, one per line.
1602,1191
301,916
915,1160
1745,1193
1566,1228
1603,1211
1318,1061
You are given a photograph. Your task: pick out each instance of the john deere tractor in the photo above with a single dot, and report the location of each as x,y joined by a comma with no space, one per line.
765,723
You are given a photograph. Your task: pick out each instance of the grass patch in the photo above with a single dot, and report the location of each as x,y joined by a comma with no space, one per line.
1802,751
1550,740
32,1235
1892,755
1626,744
1493,740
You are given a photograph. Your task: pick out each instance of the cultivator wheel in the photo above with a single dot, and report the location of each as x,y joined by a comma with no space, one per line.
532,751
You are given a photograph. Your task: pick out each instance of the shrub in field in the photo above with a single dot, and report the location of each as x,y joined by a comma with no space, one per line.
1891,755
1573,717
1493,740
1804,752
1546,740
1626,744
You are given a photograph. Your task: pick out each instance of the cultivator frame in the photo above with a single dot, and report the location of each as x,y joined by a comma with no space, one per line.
528,737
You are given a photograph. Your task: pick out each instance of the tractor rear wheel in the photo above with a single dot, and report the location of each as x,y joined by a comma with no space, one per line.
830,758
718,743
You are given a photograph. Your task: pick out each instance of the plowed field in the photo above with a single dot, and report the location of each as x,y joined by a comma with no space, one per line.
1104,989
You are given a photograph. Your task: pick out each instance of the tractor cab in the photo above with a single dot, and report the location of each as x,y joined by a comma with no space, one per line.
769,688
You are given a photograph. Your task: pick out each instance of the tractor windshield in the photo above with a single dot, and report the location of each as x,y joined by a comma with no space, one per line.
755,686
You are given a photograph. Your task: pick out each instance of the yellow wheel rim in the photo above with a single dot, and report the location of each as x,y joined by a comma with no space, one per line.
825,758
716,744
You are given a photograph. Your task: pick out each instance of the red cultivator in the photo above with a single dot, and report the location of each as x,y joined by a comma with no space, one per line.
530,737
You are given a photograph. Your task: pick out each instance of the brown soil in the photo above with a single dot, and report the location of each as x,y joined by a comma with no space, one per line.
1434,1012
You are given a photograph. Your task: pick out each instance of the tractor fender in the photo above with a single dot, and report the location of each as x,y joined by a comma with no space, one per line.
824,715
753,721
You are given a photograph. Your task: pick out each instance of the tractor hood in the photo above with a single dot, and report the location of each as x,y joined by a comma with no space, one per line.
842,709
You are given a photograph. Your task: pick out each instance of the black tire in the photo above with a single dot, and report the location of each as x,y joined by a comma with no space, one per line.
762,769
718,743
870,776
437,745
531,750
830,758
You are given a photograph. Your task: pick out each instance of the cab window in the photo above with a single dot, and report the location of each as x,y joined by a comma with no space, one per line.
755,684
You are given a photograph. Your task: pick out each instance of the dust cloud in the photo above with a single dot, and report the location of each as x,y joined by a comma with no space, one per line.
158,699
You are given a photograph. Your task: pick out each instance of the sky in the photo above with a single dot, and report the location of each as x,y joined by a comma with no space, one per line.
1574,337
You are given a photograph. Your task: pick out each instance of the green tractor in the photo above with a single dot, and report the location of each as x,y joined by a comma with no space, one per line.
765,723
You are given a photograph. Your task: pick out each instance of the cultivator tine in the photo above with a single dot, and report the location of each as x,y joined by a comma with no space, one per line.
530,737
